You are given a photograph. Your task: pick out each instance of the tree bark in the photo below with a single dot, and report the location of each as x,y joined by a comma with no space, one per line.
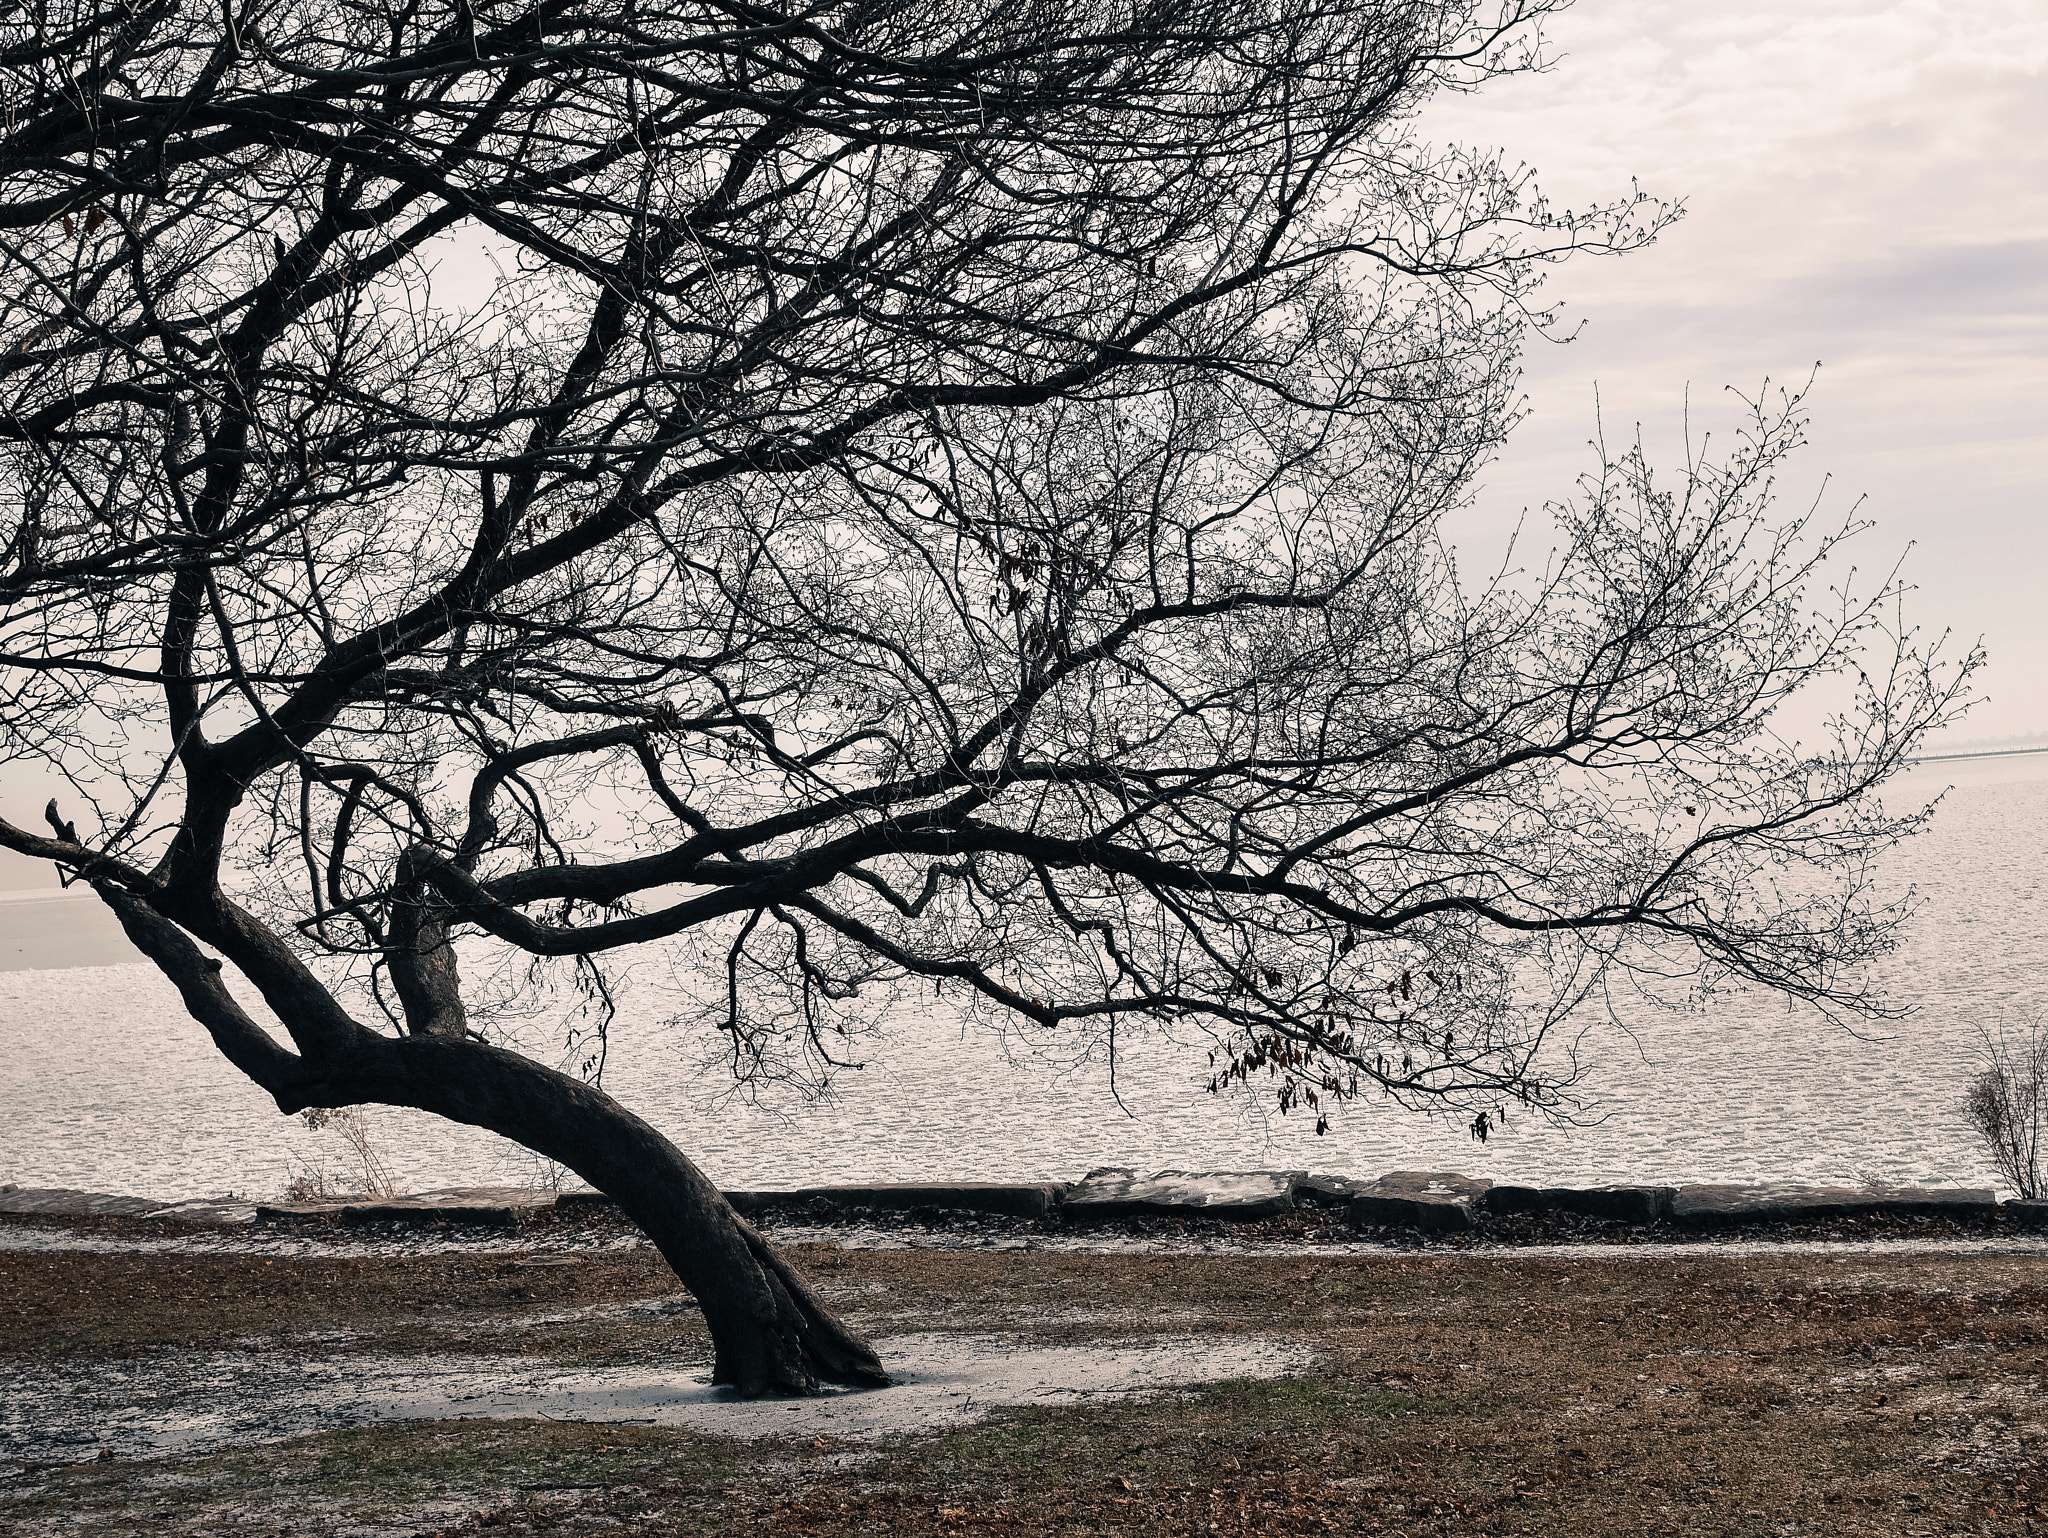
769,1332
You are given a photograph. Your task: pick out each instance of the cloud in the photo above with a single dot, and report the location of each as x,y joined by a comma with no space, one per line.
1867,189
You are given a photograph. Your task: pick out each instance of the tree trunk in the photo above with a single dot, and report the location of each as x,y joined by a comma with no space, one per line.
770,1333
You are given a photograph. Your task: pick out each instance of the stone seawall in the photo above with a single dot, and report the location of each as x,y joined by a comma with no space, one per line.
1422,1201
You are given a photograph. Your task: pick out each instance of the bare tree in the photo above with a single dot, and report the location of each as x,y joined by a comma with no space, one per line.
936,496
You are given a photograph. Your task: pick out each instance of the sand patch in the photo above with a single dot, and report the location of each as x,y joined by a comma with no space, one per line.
183,1402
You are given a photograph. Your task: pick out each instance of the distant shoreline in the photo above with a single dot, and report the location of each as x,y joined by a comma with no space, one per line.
1943,758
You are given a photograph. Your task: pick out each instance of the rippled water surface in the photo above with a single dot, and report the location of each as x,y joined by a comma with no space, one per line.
107,1084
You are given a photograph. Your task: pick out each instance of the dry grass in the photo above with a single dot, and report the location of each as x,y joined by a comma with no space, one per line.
62,1303
1605,1395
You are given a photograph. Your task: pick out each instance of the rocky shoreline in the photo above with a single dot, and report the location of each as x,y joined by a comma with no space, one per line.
1405,1207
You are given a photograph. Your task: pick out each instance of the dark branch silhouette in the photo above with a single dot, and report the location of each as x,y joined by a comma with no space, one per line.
927,495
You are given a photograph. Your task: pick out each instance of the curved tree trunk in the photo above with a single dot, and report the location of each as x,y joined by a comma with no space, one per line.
770,1333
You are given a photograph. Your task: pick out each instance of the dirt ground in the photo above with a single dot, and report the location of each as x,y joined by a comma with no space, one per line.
1607,1392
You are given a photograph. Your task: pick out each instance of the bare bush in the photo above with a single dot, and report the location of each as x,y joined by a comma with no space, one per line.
550,1177
2006,1102
370,1175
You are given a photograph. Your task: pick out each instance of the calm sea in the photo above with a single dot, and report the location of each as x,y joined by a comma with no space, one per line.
108,1085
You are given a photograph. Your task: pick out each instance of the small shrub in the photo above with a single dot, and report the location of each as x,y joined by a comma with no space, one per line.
544,1174
308,1185
2006,1102
371,1177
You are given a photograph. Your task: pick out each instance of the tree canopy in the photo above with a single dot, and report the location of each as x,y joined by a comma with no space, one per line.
939,495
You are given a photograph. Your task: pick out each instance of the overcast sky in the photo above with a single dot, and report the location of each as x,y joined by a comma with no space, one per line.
1867,186
1867,189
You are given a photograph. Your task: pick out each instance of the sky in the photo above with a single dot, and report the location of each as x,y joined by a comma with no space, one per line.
1867,191
1866,186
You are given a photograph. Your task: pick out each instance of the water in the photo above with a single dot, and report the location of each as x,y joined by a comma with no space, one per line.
109,1086
57,931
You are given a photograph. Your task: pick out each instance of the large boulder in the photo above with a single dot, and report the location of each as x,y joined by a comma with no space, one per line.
1712,1206
1329,1190
1018,1201
1433,1200
59,1201
1621,1204
207,1212
2028,1212
1124,1193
